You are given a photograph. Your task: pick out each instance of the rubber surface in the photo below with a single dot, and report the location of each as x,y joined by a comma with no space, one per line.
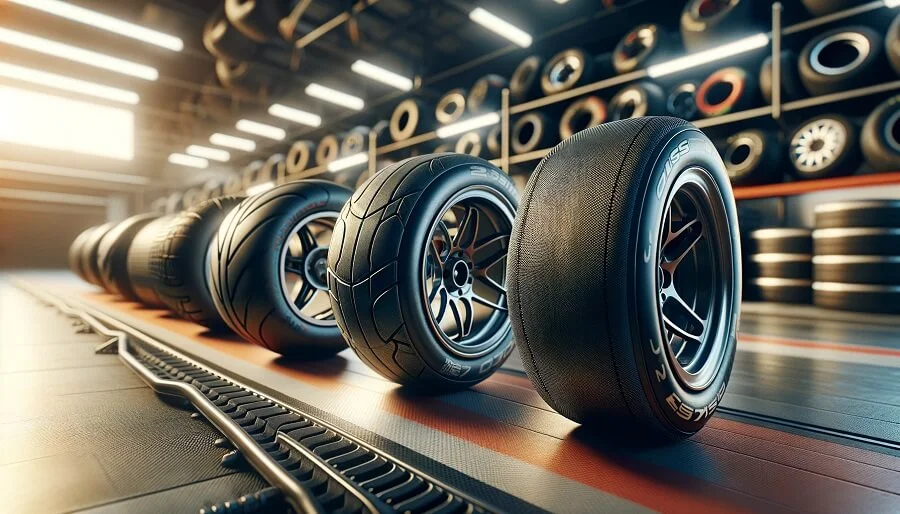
823,7
845,74
780,240
791,86
880,136
856,241
892,44
224,41
858,213
780,265
531,131
682,101
566,70
725,91
410,117
582,114
89,255
112,255
300,156
858,269
525,82
637,100
76,251
753,157
700,32
642,46
781,290
450,107
140,270
857,297
485,94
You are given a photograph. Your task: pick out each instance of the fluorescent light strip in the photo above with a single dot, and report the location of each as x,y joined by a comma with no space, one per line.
295,115
707,56
334,96
213,154
72,53
187,160
64,83
104,22
491,118
57,171
261,129
30,195
260,188
502,27
382,75
348,162
891,3
238,143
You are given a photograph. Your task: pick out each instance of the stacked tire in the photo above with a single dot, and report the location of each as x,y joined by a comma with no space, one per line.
857,256
779,265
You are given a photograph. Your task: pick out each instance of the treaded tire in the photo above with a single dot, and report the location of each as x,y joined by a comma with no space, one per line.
830,72
180,261
882,299
89,259
76,249
856,241
857,269
112,255
140,273
780,240
858,213
753,157
246,274
880,136
582,272
376,263
699,31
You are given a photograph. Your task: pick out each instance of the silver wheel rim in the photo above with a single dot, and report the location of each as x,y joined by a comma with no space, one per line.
818,144
854,39
303,267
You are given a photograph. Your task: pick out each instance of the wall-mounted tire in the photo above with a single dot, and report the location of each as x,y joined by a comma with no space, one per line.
725,91
300,156
856,241
223,41
328,149
642,46
858,213
581,115
753,157
530,132
780,265
90,262
140,271
257,19
566,70
682,101
780,240
492,142
525,82
791,85
706,23
354,141
486,93
823,7
842,59
409,118
268,268
823,147
892,44
246,80
637,100
470,143
450,107
76,250
112,255
881,299
858,269
880,136
380,268
781,290
617,369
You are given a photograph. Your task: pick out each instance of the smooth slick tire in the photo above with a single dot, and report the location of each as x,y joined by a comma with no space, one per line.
268,268
140,271
407,294
76,250
89,258
112,255
615,265
858,213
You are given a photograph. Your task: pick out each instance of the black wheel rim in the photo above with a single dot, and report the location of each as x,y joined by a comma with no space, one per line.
464,271
694,278
303,268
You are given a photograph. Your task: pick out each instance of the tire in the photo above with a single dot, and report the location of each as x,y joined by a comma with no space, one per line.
781,290
823,7
247,80
377,264
450,107
327,150
90,262
299,156
780,265
791,85
842,59
525,83
408,119
892,44
256,19
76,250
492,142
355,141
880,137
858,269
642,46
531,131
112,255
705,24
582,114
223,41
753,157
883,299
601,262
835,134
858,213
181,265
140,272
856,241
780,240
725,91
486,94
250,283
682,101
637,100
469,144
566,70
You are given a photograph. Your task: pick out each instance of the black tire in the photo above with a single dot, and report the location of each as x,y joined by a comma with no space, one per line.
725,91
247,80
582,114
882,299
224,41
140,271
707,23
76,251
491,142
858,269
256,19
842,59
566,70
408,119
531,131
300,156
856,241
858,213
780,265
642,46
525,83
616,204
112,255
781,290
355,141
892,44
249,281
328,149
470,143
486,93
180,261
791,85
880,137
780,240
835,134
90,261
450,107
753,157
377,264
637,100
682,101
823,7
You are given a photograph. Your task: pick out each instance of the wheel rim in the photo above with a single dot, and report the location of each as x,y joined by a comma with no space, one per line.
693,279
565,71
464,272
818,144
303,267
822,61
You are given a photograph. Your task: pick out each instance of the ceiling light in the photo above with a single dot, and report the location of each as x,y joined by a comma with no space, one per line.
72,53
261,129
187,160
30,195
500,26
707,56
295,115
238,143
382,75
213,154
348,162
561,1
64,83
491,118
260,188
104,22
891,3
336,97
47,121
58,171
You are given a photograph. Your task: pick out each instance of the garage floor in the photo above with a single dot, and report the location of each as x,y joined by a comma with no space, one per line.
810,422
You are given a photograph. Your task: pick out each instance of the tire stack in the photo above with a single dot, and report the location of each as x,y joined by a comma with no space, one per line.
857,256
779,266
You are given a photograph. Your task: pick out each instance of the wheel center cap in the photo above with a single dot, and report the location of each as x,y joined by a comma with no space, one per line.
316,267
458,275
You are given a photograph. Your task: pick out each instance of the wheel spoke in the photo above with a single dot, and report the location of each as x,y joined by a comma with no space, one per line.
491,261
326,314
442,308
488,281
468,229
457,318
435,289
294,265
675,309
462,317
497,306
489,240
681,243
307,239
304,296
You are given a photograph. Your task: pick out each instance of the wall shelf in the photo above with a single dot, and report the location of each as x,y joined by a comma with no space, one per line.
811,186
